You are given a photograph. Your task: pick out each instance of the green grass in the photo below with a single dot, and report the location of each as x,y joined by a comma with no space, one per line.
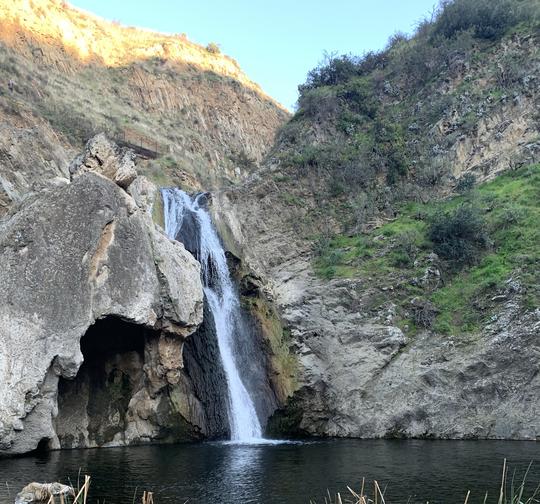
509,205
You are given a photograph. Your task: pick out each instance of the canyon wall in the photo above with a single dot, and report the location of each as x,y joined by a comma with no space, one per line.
339,241
86,274
203,121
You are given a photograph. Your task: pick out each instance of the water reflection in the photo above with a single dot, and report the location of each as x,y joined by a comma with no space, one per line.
239,472
438,471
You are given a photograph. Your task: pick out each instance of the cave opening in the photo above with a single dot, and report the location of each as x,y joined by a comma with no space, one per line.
110,336
93,407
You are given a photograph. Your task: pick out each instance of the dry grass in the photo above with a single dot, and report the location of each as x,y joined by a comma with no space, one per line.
510,492
90,38
82,493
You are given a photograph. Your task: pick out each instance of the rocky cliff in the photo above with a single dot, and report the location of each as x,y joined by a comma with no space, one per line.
97,303
87,275
195,116
391,339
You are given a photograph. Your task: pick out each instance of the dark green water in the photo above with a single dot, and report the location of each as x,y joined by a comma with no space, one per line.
434,471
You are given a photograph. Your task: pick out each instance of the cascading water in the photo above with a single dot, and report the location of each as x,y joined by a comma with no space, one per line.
222,300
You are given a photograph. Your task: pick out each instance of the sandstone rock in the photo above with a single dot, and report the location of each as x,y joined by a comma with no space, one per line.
81,253
103,156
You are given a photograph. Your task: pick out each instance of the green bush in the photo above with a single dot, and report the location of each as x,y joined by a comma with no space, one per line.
459,235
406,249
331,71
334,69
510,215
487,19
320,103
389,144
359,96
466,183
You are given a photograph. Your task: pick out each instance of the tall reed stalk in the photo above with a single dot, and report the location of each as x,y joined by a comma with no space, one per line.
509,492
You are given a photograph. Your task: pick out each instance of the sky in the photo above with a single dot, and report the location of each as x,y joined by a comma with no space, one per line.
276,42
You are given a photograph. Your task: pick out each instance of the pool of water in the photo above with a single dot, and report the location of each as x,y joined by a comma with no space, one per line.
410,470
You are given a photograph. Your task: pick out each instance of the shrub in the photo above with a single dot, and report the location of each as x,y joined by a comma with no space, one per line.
334,69
487,19
389,144
320,103
213,48
424,313
396,40
510,216
509,70
466,183
331,70
459,235
431,174
405,251
322,245
359,96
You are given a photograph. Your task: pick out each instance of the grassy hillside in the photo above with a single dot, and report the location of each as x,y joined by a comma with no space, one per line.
208,122
416,168
460,290
408,123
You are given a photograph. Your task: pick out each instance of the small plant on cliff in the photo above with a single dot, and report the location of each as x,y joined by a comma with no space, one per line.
332,70
406,249
466,183
213,48
459,235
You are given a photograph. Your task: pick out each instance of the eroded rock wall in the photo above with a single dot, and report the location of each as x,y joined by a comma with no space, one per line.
358,373
77,253
75,75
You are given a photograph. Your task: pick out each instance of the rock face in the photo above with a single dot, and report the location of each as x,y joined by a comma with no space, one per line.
362,377
358,375
106,158
31,159
363,369
82,266
76,75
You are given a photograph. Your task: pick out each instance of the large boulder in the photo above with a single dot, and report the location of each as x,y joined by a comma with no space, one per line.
103,156
77,254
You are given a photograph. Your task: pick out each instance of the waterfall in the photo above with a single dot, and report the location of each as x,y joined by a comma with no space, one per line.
183,212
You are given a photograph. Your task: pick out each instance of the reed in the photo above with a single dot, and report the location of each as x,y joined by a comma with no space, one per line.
80,496
510,492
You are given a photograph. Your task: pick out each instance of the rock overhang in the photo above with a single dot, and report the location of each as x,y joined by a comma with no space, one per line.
75,254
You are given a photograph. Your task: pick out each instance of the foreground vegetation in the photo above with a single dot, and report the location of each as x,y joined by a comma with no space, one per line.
57,493
483,239
510,492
